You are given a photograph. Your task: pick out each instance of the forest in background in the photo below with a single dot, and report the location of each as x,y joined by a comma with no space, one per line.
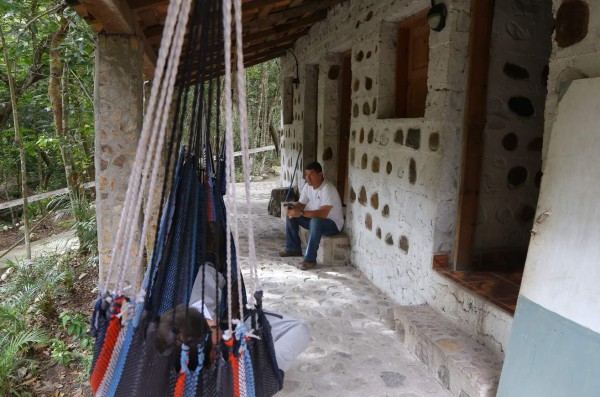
48,51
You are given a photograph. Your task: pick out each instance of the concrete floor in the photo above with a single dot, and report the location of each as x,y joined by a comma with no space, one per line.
353,350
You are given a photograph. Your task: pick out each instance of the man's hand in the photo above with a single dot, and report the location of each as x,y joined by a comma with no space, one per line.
293,213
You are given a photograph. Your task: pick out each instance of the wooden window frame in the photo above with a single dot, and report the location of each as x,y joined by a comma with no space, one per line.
402,61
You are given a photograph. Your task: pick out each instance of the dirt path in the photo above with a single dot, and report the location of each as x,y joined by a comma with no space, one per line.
59,243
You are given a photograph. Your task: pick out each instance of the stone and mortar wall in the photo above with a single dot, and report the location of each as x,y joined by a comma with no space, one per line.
511,167
403,173
118,103
576,59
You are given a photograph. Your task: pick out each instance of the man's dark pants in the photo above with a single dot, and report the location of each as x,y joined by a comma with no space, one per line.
317,227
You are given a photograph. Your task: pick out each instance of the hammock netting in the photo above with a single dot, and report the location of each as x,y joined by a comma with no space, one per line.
126,359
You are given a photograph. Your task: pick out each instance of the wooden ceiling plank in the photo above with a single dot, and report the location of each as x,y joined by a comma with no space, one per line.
282,16
265,10
275,46
270,26
137,5
253,4
286,36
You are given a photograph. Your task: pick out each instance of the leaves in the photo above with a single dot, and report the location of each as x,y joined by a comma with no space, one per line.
29,25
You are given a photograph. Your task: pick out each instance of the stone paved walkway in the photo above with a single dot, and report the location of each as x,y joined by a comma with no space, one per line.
354,350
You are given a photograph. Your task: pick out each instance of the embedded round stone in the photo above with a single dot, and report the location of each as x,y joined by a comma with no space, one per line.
403,244
572,19
517,176
412,171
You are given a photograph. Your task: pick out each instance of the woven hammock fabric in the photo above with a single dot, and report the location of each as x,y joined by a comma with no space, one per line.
127,361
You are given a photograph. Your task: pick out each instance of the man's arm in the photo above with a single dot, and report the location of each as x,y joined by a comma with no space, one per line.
320,213
294,211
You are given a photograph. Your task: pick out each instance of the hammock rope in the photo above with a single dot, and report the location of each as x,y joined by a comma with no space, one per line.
128,324
148,152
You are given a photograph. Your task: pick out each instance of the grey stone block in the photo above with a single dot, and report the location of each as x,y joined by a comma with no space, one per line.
460,363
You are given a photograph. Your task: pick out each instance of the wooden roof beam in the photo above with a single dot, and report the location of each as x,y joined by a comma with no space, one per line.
117,18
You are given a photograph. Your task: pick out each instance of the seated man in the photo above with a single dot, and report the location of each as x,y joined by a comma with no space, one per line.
319,210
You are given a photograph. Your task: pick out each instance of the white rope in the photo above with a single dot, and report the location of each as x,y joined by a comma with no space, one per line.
230,197
164,123
133,189
159,126
133,201
241,84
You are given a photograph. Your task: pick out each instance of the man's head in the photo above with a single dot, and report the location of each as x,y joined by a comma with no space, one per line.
313,174
183,324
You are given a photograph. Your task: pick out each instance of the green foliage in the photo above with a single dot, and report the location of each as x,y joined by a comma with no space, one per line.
36,283
30,291
80,349
60,353
28,43
22,298
13,350
74,323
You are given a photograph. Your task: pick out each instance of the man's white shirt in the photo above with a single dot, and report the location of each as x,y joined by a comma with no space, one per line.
326,194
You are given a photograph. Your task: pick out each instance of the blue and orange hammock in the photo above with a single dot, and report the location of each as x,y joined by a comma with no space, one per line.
126,361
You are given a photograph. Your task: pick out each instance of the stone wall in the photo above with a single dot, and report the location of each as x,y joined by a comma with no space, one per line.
511,167
403,173
118,104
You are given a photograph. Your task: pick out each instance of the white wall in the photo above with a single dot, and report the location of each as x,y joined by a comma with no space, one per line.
563,265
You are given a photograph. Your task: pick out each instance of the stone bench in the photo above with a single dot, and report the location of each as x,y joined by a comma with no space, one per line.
460,363
333,250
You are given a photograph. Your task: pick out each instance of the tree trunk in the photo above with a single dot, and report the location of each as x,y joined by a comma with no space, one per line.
58,99
90,171
67,148
19,143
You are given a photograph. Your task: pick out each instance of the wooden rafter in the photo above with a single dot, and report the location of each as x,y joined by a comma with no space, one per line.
269,26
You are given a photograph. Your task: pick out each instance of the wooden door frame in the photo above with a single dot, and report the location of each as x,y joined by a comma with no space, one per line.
345,121
482,15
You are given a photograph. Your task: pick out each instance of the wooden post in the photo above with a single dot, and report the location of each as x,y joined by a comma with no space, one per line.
482,15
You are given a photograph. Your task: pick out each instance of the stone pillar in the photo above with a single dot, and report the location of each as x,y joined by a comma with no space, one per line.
118,106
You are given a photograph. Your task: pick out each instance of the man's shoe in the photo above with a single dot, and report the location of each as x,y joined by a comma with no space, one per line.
287,253
305,265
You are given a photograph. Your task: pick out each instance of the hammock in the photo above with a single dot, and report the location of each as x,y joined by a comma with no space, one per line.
127,359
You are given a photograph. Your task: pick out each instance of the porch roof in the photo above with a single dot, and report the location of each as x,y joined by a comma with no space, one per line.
269,26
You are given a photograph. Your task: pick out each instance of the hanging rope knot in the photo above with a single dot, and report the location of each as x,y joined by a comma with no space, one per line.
251,334
140,297
200,355
185,359
116,307
240,330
